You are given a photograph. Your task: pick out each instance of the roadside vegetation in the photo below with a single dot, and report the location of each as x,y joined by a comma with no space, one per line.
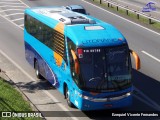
12,100
132,16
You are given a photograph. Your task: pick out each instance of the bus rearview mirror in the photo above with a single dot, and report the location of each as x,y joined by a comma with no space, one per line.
137,59
76,63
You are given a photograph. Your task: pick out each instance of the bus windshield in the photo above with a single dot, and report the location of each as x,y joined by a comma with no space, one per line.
105,69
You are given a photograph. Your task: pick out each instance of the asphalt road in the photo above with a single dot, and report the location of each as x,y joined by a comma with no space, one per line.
137,5
145,42
141,3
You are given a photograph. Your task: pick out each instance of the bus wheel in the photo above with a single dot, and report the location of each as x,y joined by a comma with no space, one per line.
67,95
38,75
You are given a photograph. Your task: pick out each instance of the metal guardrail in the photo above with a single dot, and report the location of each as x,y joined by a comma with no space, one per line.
110,3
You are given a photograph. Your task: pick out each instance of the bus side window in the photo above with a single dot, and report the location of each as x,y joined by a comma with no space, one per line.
71,62
47,35
72,46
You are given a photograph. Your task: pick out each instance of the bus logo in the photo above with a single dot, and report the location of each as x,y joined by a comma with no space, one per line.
149,7
6,114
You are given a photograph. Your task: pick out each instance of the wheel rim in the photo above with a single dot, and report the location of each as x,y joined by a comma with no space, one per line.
36,68
67,96
37,72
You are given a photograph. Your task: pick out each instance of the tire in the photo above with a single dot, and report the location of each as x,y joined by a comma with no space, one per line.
67,96
38,75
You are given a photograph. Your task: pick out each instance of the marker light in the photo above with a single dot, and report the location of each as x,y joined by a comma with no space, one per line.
80,53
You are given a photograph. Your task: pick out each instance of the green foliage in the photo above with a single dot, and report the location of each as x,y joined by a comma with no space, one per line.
12,100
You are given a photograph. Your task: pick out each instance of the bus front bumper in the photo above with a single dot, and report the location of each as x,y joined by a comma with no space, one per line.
104,103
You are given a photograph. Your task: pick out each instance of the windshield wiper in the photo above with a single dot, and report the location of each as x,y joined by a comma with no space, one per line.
94,78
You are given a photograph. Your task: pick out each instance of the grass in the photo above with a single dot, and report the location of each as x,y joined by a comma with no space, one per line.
131,15
12,100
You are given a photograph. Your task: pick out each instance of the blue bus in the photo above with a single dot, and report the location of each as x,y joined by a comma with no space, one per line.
84,58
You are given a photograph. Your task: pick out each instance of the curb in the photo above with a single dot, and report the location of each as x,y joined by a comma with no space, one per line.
6,78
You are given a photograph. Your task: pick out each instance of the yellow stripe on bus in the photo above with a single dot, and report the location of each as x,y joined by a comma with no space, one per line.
60,28
58,59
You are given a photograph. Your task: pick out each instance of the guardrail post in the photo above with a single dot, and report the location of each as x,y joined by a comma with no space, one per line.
150,22
117,8
108,4
127,12
100,1
137,16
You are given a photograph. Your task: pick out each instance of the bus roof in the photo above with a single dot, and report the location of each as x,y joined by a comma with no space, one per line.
83,30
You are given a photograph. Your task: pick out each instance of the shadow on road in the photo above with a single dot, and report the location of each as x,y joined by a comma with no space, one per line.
149,86
32,86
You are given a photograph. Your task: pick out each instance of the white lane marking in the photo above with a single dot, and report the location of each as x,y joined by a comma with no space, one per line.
12,10
158,60
60,105
14,14
10,3
129,3
12,6
150,102
24,3
22,25
121,17
10,21
17,19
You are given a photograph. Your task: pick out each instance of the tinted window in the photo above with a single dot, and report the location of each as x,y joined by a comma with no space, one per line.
105,69
79,11
48,36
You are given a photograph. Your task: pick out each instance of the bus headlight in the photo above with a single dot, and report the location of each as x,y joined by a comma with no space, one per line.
120,97
82,96
86,97
128,94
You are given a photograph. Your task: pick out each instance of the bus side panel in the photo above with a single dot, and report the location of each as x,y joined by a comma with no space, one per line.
41,64
34,49
29,54
45,71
